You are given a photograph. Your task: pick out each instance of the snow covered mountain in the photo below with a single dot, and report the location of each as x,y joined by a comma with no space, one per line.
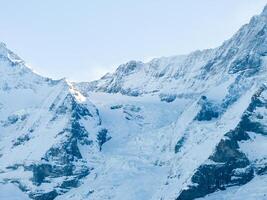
44,125
176,128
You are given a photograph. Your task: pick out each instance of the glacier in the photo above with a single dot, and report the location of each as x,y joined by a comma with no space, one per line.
175,128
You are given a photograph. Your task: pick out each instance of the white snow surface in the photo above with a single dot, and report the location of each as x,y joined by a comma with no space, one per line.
254,190
12,192
134,162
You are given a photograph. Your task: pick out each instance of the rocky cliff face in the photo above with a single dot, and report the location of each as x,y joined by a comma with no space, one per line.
229,166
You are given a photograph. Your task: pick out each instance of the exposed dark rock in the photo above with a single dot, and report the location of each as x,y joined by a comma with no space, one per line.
250,63
130,92
64,159
167,97
208,110
102,138
45,196
68,184
70,105
40,172
13,119
115,107
262,169
227,152
79,110
179,144
21,140
128,68
229,167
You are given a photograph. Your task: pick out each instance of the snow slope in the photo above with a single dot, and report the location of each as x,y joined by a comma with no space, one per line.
131,165
254,190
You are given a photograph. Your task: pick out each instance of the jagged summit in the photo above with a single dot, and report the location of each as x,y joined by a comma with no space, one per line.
264,12
7,54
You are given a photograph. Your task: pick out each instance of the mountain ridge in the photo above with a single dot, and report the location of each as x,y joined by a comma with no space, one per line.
158,69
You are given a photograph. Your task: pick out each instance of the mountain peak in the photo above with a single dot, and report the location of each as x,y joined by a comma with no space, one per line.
3,49
264,12
2,44
8,54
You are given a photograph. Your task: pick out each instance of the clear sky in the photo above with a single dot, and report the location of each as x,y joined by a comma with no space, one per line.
83,39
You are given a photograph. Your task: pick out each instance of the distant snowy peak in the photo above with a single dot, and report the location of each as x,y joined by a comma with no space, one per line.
135,77
242,54
45,125
7,54
15,74
264,12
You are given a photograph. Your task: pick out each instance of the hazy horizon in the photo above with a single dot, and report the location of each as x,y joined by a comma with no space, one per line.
83,40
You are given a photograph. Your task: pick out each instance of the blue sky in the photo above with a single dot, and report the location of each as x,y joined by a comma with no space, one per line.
83,39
